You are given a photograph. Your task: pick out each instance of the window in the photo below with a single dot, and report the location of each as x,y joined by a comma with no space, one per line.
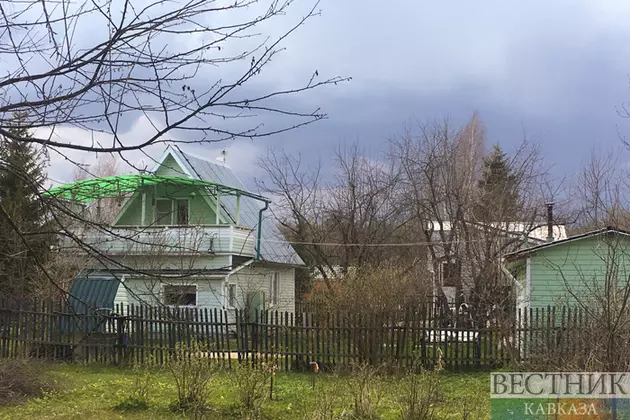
231,289
182,212
171,212
449,273
163,209
274,289
177,295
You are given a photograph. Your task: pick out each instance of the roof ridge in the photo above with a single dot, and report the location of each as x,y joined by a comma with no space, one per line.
235,173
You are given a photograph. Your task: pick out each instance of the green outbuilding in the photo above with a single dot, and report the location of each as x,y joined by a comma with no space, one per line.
570,271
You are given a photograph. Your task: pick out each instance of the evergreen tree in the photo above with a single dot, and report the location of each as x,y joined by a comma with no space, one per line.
22,174
498,201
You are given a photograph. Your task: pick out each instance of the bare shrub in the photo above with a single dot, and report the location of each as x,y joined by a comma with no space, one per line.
251,384
366,392
327,403
22,378
192,371
418,394
355,291
137,396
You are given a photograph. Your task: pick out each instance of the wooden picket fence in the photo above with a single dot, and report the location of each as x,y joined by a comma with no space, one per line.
403,339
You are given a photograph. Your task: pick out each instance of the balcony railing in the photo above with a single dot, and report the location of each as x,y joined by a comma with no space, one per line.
167,240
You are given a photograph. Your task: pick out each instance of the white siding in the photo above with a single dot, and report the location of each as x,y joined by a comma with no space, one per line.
184,263
259,279
199,240
121,300
210,292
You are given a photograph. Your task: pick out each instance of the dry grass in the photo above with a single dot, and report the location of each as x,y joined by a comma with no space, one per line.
21,379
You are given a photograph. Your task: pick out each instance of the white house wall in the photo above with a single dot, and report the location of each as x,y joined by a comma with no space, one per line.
183,263
252,279
210,292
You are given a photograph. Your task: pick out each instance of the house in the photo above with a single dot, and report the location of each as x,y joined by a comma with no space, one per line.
454,252
570,269
188,234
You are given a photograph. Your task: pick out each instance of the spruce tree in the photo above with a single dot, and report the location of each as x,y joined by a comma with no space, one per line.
23,243
498,199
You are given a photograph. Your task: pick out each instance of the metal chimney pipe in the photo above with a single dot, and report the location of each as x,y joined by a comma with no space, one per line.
549,222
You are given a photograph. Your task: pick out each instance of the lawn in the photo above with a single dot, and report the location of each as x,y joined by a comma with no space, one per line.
92,393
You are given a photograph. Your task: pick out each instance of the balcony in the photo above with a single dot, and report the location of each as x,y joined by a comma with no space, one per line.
167,240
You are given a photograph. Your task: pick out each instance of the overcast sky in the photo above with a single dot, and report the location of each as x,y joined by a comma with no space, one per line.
555,70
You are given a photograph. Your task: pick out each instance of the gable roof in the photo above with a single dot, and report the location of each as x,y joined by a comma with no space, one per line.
527,251
274,247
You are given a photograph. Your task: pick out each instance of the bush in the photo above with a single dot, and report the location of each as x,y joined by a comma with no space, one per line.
22,378
251,385
327,403
418,394
137,397
365,391
192,370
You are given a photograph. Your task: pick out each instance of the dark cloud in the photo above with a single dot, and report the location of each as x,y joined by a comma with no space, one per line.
555,71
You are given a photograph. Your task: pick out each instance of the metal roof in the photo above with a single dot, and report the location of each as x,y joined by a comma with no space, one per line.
274,246
527,251
94,298
93,292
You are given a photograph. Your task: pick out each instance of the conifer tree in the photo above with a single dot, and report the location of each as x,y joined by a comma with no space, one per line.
498,200
23,242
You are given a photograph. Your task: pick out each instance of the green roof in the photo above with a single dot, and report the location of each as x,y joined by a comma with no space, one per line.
89,190
90,298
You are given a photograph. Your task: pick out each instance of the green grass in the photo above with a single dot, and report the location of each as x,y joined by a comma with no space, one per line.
92,392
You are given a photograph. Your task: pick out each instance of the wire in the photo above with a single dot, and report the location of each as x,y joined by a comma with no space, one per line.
368,244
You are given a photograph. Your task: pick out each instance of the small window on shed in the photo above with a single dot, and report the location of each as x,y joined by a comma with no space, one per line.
180,295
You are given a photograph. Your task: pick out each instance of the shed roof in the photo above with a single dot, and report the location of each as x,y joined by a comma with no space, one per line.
93,293
527,251
90,298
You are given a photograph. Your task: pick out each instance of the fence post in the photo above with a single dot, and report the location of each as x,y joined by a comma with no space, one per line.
121,339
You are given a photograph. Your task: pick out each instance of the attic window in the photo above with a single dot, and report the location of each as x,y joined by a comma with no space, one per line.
180,295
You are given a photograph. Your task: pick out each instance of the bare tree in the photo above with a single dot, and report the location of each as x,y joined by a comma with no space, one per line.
442,168
103,210
599,191
83,72
150,60
338,225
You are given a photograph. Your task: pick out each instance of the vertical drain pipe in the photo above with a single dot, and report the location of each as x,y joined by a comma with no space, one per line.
260,229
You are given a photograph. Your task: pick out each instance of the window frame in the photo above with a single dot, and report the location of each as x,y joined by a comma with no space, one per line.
176,202
171,305
231,298
274,289
173,217
168,218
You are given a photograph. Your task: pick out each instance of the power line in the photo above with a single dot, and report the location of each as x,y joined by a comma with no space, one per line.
394,244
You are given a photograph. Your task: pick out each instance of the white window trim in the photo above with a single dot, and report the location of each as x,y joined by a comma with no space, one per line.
274,289
163,295
174,215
